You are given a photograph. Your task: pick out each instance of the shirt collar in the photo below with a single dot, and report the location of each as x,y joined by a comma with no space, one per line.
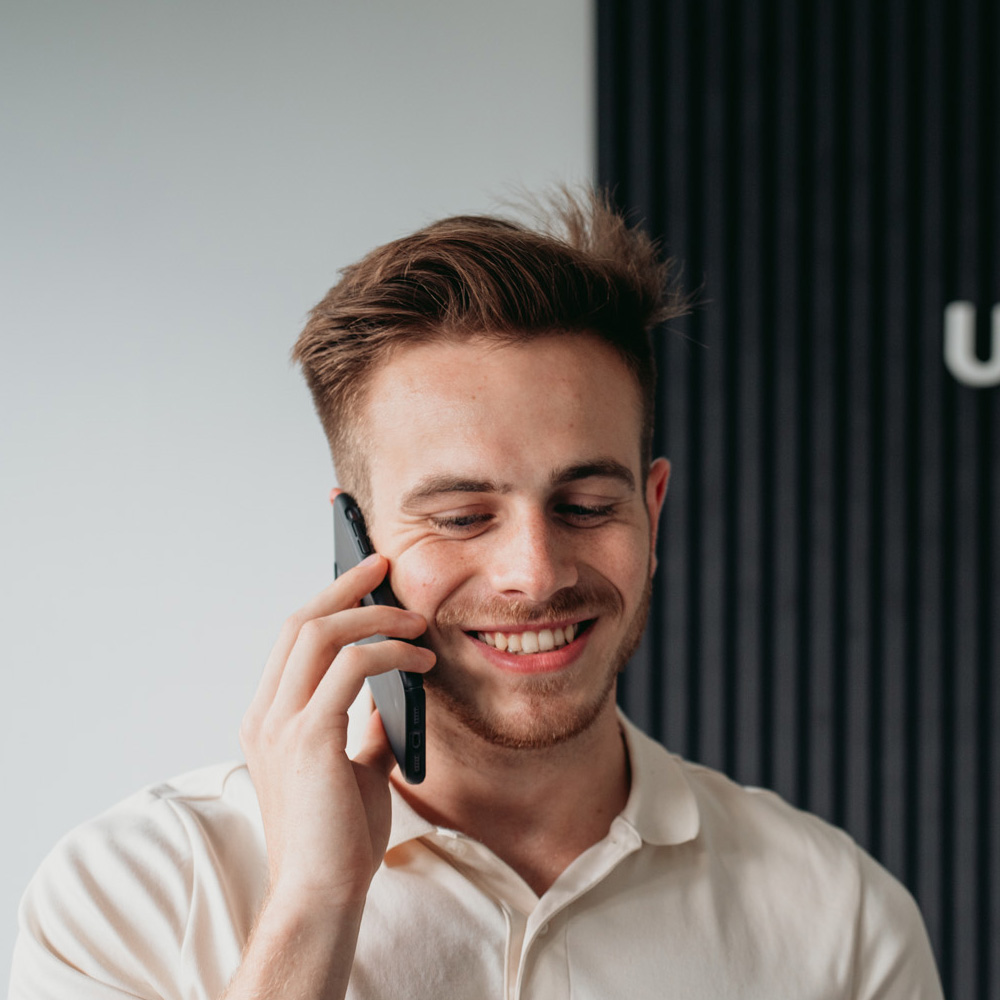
407,823
661,806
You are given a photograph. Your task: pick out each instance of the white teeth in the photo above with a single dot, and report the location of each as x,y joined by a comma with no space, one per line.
530,642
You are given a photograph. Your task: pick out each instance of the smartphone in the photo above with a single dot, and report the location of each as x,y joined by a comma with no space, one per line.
398,694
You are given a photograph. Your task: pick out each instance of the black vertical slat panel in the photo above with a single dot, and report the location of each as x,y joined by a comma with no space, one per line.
873,572
805,416
828,604
858,540
989,919
746,428
734,160
965,776
614,97
840,342
964,651
895,384
911,28
785,762
988,291
761,452
930,398
952,266
645,191
983,684
821,307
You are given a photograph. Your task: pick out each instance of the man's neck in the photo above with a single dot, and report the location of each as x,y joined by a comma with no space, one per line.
537,810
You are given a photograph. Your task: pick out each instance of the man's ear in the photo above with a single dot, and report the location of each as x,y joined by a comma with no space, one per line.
656,493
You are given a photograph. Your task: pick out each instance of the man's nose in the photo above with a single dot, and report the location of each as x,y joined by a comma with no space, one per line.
533,559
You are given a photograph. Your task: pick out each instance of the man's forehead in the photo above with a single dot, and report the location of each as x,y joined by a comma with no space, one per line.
463,371
478,411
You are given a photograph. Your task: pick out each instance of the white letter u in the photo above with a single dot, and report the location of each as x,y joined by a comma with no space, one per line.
960,346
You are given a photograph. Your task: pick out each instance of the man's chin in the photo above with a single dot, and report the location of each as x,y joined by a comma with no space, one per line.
539,721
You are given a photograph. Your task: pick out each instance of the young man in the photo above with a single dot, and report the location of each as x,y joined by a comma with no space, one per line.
487,392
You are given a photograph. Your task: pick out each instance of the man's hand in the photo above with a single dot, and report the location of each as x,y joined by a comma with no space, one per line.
326,817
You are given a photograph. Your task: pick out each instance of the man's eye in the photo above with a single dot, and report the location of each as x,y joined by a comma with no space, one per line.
582,514
460,523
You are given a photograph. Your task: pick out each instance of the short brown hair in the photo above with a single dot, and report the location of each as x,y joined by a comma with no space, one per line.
579,269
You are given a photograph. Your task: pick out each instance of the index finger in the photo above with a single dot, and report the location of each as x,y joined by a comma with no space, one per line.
345,592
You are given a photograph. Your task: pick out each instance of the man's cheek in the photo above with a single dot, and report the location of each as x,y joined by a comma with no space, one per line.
420,588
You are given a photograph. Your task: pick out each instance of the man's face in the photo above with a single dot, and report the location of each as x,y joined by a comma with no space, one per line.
507,495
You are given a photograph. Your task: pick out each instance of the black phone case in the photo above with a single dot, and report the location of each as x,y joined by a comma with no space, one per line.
398,694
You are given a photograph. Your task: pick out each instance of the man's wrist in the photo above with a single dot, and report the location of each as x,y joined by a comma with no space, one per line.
301,944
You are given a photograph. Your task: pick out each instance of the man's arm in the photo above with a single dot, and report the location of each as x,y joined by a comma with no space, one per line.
326,817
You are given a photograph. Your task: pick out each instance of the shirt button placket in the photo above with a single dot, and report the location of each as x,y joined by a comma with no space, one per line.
515,944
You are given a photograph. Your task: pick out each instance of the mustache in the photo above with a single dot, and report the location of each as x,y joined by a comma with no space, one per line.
584,601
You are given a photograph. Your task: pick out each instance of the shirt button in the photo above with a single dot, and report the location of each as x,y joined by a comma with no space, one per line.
544,929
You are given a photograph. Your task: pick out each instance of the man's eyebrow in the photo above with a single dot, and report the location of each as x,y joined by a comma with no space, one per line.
433,486
439,485
604,468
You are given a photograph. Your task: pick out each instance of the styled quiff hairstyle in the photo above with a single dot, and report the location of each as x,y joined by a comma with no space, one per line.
579,268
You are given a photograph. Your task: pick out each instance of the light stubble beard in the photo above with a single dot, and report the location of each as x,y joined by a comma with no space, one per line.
544,721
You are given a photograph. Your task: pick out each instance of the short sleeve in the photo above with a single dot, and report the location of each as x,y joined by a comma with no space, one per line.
105,915
894,960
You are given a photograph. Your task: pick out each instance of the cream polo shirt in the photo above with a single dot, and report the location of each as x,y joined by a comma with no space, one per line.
701,889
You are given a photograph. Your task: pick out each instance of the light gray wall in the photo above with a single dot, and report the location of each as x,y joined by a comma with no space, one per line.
180,183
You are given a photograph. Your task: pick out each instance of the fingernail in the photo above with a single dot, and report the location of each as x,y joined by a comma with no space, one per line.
368,560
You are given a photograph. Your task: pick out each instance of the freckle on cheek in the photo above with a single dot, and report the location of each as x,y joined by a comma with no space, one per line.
427,586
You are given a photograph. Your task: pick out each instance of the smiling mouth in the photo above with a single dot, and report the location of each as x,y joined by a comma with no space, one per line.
540,641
